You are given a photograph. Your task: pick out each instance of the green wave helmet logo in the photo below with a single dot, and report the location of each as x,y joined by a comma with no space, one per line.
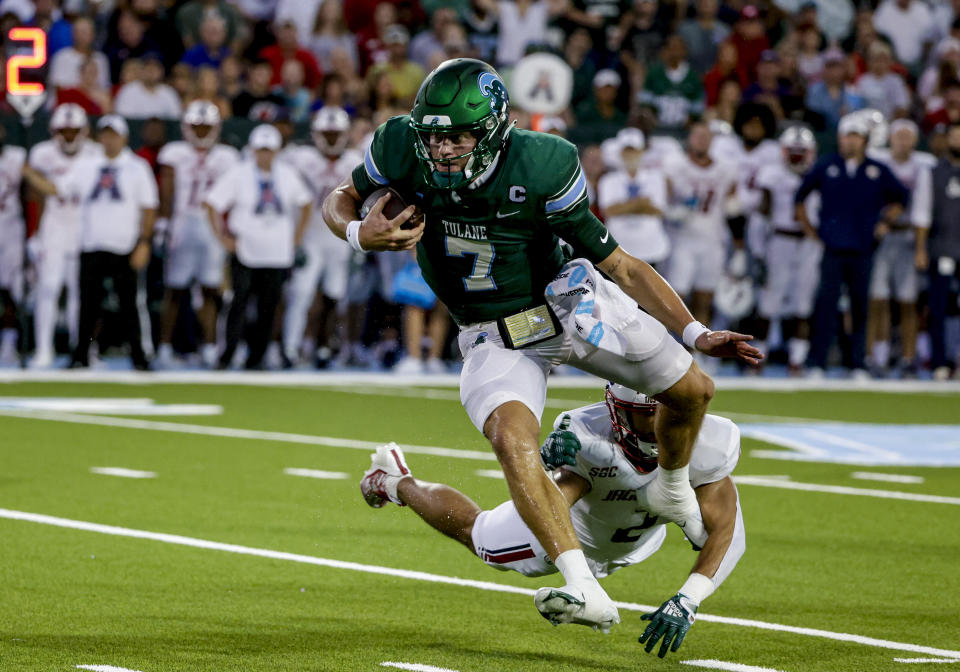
492,87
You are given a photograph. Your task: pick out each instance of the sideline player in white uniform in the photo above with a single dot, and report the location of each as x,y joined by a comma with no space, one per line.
894,274
703,192
12,236
756,126
188,168
323,166
56,246
633,200
607,454
792,258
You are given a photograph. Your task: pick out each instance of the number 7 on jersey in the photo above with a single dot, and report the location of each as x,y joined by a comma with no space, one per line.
479,279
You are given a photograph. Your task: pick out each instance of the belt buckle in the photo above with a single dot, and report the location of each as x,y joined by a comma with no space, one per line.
528,327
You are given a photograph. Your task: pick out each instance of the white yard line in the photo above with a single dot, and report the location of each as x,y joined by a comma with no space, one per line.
886,478
490,473
450,580
386,379
105,405
844,490
105,668
235,433
926,660
723,665
316,473
415,667
122,473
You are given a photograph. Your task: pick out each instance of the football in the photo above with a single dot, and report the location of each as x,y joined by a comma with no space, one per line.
391,208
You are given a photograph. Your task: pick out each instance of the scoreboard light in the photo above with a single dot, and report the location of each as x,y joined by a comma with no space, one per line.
26,96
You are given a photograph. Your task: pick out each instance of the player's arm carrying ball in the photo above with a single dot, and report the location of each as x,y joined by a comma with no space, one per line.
376,231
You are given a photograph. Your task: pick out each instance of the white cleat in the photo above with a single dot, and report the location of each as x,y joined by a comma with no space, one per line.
572,604
409,366
680,507
379,484
42,360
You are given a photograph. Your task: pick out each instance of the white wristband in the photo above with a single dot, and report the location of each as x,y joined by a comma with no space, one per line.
697,587
353,235
692,332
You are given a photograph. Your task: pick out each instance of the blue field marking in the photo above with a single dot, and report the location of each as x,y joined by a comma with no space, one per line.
859,443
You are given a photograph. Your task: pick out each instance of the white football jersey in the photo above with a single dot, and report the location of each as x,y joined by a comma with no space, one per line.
61,221
321,175
195,171
915,175
611,529
113,193
704,189
749,163
264,211
782,183
11,174
640,235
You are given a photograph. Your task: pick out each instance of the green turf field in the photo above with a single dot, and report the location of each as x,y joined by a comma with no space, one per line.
880,569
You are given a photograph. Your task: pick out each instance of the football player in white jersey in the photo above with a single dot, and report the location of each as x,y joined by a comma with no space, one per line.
324,165
12,236
756,126
792,259
703,194
605,456
188,168
893,274
56,246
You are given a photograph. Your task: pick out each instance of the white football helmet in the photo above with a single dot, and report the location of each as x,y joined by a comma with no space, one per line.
878,129
201,114
331,130
69,127
624,404
799,148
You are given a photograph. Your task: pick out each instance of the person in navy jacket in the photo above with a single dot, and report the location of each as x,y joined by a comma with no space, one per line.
860,198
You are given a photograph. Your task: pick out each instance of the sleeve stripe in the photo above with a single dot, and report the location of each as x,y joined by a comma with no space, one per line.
578,190
371,169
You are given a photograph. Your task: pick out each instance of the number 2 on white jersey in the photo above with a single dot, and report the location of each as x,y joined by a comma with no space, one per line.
479,279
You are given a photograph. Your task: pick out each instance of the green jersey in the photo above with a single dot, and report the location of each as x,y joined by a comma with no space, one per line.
490,248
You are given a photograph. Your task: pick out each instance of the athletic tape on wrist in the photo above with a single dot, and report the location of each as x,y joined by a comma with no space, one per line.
692,332
697,588
353,235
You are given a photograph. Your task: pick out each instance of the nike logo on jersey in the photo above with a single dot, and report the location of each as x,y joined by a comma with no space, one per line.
501,215
605,237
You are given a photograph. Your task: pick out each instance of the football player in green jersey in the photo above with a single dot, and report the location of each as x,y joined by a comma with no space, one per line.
497,201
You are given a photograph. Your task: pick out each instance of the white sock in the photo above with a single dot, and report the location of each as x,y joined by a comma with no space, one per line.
798,349
881,353
573,566
165,351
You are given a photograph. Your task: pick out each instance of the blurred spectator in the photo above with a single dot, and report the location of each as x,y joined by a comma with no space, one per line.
599,117
749,38
383,99
330,34
633,200
88,94
809,55
370,39
257,101
832,97
190,16
231,78
405,76
673,87
950,112
305,14
455,45
159,29
48,16
831,18
909,26
65,64
333,93
944,68
148,96
942,252
727,68
129,41
296,97
642,30
212,48
481,22
428,42
286,48
702,35
769,89
522,23
578,55
181,80
208,88
944,12
153,136
727,103
880,87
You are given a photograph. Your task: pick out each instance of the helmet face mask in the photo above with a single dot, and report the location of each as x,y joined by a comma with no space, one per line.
330,130
799,149
462,96
69,127
200,125
624,405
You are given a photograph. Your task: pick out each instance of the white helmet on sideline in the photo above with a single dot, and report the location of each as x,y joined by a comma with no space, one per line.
201,114
69,127
330,130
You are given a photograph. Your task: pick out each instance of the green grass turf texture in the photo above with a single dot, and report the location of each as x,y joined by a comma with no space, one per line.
873,567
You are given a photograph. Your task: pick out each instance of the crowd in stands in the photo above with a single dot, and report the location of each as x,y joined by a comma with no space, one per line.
657,65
